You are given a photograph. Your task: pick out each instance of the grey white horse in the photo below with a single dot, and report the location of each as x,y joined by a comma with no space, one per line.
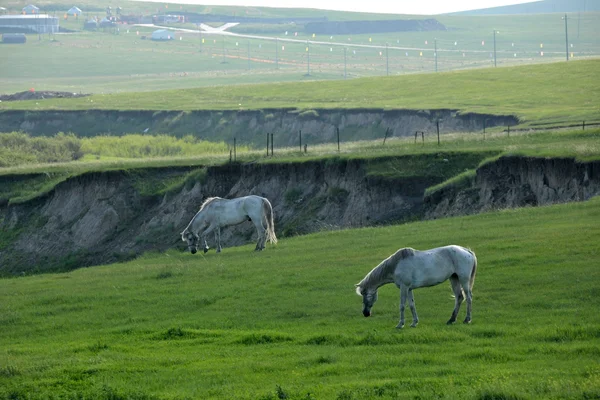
411,269
217,212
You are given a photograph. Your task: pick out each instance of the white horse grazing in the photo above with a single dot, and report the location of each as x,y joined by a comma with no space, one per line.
410,269
216,213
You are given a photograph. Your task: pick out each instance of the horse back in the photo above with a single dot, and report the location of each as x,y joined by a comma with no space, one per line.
432,267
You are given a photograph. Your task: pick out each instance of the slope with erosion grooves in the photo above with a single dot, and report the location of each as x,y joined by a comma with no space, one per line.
516,181
250,126
103,217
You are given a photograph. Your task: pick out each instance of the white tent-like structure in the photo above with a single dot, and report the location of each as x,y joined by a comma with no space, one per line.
162,34
31,9
74,11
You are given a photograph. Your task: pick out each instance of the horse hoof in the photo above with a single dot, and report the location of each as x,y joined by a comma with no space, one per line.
205,250
399,326
467,321
450,322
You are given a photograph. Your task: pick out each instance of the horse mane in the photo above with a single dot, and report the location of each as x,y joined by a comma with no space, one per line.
208,201
384,269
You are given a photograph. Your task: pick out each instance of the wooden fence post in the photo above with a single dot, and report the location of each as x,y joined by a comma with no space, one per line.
386,134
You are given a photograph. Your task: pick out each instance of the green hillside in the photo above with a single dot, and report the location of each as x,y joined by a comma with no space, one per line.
286,323
549,93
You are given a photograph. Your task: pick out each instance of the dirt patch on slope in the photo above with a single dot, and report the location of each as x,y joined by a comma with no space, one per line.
39,95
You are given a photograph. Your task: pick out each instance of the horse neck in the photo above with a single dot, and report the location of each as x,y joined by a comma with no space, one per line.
198,220
379,276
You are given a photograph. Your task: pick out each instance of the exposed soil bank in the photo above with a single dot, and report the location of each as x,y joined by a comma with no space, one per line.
251,127
99,218
512,182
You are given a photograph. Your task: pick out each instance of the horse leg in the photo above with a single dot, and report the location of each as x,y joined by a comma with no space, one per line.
203,236
218,239
458,298
469,295
403,296
413,308
260,230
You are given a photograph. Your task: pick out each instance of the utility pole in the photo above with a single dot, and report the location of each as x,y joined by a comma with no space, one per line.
223,42
435,52
387,61
345,75
566,37
307,58
494,47
276,53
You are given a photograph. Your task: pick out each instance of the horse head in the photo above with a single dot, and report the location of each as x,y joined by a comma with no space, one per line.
369,298
192,240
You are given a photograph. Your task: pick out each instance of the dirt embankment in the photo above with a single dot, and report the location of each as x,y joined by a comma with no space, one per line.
99,218
37,95
514,181
250,127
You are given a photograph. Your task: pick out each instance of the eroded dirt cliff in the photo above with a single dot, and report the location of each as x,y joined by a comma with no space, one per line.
103,217
514,181
251,126
99,218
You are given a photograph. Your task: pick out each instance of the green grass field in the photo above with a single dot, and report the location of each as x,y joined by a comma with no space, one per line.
286,323
105,62
547,94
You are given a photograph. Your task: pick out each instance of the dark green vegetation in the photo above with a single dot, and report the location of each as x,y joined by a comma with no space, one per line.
285,323
21,149
399,158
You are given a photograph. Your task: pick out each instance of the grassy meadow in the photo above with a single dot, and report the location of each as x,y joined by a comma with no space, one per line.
119,60
286,323
547,94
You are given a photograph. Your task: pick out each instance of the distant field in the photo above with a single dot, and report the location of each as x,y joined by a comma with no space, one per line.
114,61
557,93
286,323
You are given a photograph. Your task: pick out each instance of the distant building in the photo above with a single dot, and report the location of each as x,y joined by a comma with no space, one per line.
14,38
37,23
31,9
74,11
162,34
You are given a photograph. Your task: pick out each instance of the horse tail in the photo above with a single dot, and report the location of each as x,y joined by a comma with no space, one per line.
268,216
473,271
